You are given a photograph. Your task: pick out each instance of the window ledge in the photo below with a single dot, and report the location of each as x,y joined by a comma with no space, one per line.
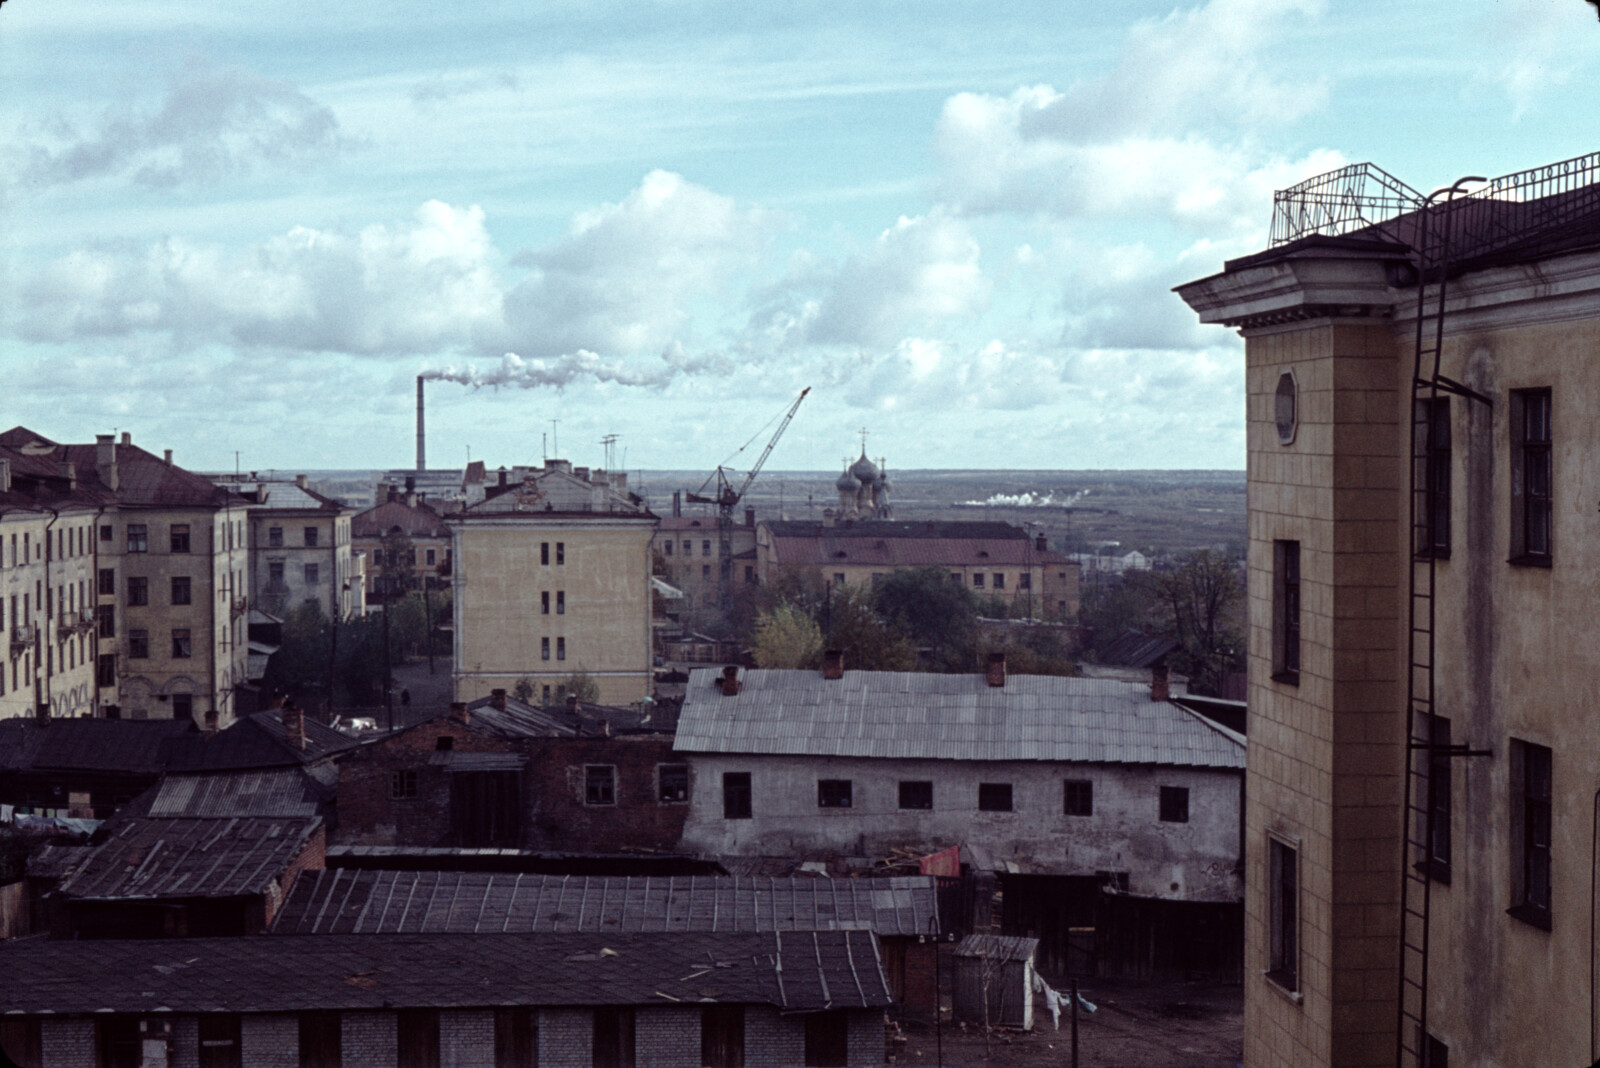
1527,560
1433,554
1276,981
1533,917
1437,870
1288,678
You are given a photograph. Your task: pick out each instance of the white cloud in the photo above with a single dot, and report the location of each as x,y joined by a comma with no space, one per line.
624,278
1543,43
213,123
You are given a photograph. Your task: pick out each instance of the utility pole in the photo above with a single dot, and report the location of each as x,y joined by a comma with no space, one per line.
427,620
388,682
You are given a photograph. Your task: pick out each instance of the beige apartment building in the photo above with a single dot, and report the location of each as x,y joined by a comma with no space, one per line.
1424,580
402,513
691,548
552,578
300,547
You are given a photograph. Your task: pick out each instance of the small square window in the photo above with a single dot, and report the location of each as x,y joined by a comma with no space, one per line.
1174,804
403,785
977,580
311,537
999,580
673,782
138,538
138,645
180,590
916,793
599,784
180,645
833,793
138,590
1077,797
274,537
994,797
838,578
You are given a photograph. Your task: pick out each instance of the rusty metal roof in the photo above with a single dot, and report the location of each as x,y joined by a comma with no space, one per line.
273,792
795,971
175,858
997,947
927,716
347,901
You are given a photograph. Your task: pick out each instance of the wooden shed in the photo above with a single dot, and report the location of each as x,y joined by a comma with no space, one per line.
994,980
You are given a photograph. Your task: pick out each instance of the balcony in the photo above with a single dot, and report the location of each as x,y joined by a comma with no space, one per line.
22,637
240,606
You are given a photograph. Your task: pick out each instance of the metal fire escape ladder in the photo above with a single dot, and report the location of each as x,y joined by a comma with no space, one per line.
1424,753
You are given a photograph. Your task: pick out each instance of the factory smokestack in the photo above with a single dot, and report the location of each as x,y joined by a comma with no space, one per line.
422,447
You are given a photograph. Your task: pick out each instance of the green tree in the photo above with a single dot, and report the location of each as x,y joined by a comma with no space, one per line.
869,642
523,691
935,613
786,637
1203,597
581,685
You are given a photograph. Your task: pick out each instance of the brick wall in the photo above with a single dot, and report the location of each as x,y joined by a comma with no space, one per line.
311,858
466,1038
66,1043
185,1042
270,1041
566,1036
666,1037
774,1041
368,1039
559,818
866,1038
921,992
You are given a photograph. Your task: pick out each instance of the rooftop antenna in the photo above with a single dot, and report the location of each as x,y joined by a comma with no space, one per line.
609,444
555,435
544,447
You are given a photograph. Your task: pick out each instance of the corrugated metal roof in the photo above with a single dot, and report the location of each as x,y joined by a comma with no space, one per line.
796,972
997,947
275,792
175,858
927,716
346,901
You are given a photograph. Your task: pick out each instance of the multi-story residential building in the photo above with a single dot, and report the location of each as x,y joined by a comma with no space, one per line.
1422,382
49,639
402,513
169,569
552,578
990,559
300,547
691,548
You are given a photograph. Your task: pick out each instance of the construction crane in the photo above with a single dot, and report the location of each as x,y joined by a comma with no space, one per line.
727,498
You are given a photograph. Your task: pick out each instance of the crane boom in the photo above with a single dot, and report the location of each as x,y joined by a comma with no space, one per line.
756,470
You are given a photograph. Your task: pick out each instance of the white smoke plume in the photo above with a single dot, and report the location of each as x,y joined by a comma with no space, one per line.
1029,499
515,372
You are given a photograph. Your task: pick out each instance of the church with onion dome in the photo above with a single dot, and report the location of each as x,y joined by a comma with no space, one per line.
863,488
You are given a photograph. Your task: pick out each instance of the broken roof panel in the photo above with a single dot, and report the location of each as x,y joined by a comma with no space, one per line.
795,971
145,858
347,901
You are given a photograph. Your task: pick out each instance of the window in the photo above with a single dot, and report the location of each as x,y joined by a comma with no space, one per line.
138,645
311,537
994,797
180,537
106,617
180,589
999,580
106,534
319,1040
672,782
705,547
1530,833
544,648
117,1042
1438,804
736,795
1283,915
916,794
833,793
516,1038
1174,804
1286,612
722,1036
977,580
688,547
561,553
1435,1054
955,576
599,784
108,581
544,602
403,785
1025,580
219,1041
1077,797
312,574
180,644
705,571
138,538
417,1038
667,545
613,1038
105,670
1531,477
1284,408
275,572
561,648
561,602
182,706
544,553
1431,428
827,1039
274,537
432,557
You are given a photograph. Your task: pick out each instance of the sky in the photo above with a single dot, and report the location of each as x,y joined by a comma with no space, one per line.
241,231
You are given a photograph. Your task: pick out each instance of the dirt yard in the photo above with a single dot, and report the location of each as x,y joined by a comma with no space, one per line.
1137,1025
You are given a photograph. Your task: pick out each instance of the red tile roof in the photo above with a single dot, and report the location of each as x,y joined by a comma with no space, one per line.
417,520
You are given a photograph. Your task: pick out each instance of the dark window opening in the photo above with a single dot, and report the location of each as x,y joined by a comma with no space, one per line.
833,793
417,1035
403,785
219,1041
994,797
486,809
1286,612
544,553
444,743
181,590
516,1038
613,1038
116,1040
561,553
138,590
1174,804
1077,797
180,644
180,537
1283,962
138,538
183,706
1532,478
673,782
138,645
1530,831
1438,801
320,1043
106,619
1431,428
108,581
722,1036
916,793
828,1039
736,795
599,784
544,602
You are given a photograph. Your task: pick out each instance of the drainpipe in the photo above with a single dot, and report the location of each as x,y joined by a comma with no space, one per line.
41,689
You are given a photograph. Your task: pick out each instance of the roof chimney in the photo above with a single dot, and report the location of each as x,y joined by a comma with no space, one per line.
997,669
69,471
127,437
833,664
411,491
1041,542
1160,683
301,481
166,456
294,725
5,476
497,700
729,683
572,703
502,474
749,516
462,714
105,460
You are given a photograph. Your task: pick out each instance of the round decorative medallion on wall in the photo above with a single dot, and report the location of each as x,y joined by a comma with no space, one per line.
1286,407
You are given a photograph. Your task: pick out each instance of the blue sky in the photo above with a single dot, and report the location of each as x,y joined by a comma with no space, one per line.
243,227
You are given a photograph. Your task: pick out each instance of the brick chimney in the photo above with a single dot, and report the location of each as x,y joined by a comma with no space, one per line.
105,460
1041,543
833,664
997,669
749,517
1161,683
497,700
462,714
301,481
69,471
127,438
166,457
211,723
729,683
294,724
572,703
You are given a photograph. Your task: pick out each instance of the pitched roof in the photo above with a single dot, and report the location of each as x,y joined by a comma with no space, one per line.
920,715
1137,649
348,901
417,520
884,543
517,720
256,741
143,480
997,947
797,972
145,857
126,745
273,792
